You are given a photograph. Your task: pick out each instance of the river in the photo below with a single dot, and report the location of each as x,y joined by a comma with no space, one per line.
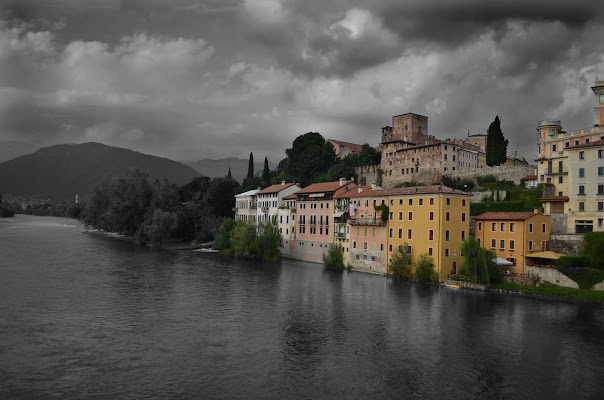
83,316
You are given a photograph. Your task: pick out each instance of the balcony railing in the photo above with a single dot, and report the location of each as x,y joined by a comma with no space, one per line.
368,221
556,172
339,235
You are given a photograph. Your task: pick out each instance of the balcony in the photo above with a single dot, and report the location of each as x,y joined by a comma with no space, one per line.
558,172
368,221
339,235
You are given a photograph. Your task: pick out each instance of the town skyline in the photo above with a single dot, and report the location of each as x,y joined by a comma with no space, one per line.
210,79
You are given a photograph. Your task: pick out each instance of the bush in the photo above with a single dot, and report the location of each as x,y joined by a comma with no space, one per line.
250,240
334,257
573,262
503,206
401,263
593,249
586,278
482,179
424,272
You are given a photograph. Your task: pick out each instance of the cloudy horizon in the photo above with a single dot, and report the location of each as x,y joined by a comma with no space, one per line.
190,79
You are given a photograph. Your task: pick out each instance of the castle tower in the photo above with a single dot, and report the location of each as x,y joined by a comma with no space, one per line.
408,127
599,108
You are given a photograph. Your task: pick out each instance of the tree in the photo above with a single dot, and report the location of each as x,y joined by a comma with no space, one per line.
478,262
496,144
334,257
161,226
424,272
250,167
229,174
593,250
309,157
266,172
401,263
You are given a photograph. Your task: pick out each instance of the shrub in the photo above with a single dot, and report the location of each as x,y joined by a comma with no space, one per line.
503,206
334,257
573,262
401,263
586,278
482,179
593,249
424,272
250,240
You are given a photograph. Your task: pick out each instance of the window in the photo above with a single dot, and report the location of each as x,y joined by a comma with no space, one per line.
365,246
400,216
600,171
512,244
391,216
463,235
431,201
431,234
567,144
530,245
581,172
512,227
502,244
553,147
446,252
581,206
410,215
463,217
354,245
600,189
494,227
542,228
430,251
409,234
463,202
480,226
600,222
478,240
358,230
390,249
601,153
581,155
448,202
560,180
503,227
581,189
390,232
421,202
400,233
447,234
431,215
410,202
600,205
531,228
400,202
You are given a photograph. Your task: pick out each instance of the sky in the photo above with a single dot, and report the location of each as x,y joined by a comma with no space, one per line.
194,79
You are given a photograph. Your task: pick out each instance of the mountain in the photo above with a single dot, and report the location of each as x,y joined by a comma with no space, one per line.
219,168
62,171
10,150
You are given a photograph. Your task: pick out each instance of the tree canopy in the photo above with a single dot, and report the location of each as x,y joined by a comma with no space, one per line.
496,152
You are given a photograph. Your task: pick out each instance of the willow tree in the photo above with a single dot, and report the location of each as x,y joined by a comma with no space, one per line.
478,262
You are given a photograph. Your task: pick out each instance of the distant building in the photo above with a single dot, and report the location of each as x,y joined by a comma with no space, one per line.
271,198
245,205
343,149
513,160
530,181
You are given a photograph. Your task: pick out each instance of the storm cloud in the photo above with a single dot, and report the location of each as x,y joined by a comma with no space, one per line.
194,79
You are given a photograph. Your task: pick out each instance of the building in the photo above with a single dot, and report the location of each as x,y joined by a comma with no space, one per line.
286,219
513,160
269,200
530,181
343,210
479,141
343,149
513,235
314,219
585,207
245,205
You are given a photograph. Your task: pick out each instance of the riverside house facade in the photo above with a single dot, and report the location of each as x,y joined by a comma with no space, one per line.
513,235
271,198
245,204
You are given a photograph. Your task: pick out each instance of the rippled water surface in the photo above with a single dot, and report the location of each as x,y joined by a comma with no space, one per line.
87,317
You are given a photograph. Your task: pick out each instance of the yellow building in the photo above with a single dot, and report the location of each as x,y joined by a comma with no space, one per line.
513,235
430,219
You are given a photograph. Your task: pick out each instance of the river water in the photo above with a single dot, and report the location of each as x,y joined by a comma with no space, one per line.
83,316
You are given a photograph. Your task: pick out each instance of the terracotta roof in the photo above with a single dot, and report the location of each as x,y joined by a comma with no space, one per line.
590,144
554,199
291,197
351,191
353,146
322,187
514,216
529,177
275,188
436,189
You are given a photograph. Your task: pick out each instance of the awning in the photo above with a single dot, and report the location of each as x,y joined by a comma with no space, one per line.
339,214
317,195
502,261
550,255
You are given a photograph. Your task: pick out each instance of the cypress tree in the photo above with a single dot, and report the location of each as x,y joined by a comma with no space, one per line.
250,167
229,174
266,172
496,144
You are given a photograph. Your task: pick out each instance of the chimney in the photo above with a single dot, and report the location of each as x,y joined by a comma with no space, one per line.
373,186
342,181
259,188
282,183
298,184
360,189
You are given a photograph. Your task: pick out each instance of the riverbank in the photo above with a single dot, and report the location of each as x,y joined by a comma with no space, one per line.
169,245
551,292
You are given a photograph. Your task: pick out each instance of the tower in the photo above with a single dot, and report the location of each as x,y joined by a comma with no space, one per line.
598,90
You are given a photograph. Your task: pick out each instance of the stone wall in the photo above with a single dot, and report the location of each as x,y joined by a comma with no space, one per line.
568,244
559,222
477,196
368,174
306,250
514,173
368,260
552,276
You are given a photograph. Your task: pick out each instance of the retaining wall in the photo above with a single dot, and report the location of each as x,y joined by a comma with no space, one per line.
514,173
552,276
568,244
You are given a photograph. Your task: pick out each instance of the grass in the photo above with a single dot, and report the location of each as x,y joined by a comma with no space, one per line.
557,291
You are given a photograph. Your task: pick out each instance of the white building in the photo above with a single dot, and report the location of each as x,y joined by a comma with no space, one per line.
270,199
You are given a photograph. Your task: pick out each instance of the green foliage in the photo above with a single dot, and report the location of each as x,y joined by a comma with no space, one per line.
266,172
385,211
8,210
496,151
424,271
585,277
401,263
409,184
229,174
250,240
529,197
503,206
573,262
478,262
250,167
345,167
593,249
457,183
334,257
159,228
482,179
309,158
